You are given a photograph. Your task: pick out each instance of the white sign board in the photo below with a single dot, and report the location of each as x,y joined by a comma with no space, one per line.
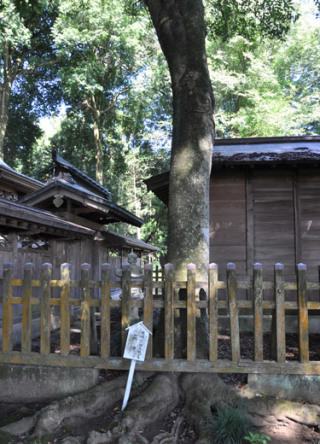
136,347
137,342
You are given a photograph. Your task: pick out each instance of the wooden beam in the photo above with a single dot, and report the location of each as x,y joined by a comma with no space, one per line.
297,218
249,223
165,365
82,221
82,210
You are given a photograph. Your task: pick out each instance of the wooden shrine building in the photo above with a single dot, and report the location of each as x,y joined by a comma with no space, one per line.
64,220
264,203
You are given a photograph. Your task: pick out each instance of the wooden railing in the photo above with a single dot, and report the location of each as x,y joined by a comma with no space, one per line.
59,293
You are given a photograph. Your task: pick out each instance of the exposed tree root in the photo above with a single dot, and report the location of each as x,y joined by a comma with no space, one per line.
155,402
205,393
84,405
169,438
202,391
198,394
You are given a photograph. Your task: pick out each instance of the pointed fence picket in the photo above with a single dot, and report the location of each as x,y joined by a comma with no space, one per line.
158,295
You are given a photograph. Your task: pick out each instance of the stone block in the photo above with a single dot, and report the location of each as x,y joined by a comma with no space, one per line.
26,383
291,387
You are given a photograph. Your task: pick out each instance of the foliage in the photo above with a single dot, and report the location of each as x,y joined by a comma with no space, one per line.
19,144
268,88
297,66
132,194
6,438
28,71
257,438
115,84
229,425
107,62
249,18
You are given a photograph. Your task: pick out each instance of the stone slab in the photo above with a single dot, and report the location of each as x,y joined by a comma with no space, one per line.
23,383
291,387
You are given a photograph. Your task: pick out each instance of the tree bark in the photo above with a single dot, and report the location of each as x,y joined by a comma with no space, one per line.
4,107
97,136
5,91
181,32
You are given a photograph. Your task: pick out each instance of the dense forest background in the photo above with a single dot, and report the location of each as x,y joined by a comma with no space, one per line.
88,79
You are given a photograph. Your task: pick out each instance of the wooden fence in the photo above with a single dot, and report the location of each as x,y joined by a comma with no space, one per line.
62,293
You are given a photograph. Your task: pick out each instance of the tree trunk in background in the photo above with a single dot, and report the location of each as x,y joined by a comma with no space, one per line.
4,104
5,91
98,146
181,32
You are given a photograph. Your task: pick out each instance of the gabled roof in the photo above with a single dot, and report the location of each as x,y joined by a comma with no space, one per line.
25,220
89,199
81,178
86,204
253,152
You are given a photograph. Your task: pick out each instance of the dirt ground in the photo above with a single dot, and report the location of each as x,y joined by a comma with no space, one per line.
282,432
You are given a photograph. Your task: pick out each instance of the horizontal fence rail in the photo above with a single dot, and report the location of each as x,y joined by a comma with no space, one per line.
160,302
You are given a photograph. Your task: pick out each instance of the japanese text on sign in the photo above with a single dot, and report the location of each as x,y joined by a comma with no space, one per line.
137,343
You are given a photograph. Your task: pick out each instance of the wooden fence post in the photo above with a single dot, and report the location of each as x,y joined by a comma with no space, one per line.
156,278
126,303
7,321
105,310
213,312
27,308
258,311
85,310
65,310
148,299
191,312
303,312
234,311
169,313
280,313
46,275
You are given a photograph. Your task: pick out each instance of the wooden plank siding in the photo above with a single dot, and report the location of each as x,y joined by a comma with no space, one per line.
273,219
228,238
266,215
309,194
165,300
57,253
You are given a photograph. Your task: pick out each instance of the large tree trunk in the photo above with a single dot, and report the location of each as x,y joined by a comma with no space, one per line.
181,31
5,91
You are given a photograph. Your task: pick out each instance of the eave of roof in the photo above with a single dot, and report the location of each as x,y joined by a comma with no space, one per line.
84,196
25,215
116,240
265,150
19,181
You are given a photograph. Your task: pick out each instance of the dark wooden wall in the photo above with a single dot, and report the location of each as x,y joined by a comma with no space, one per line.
266,215
58,252
228,219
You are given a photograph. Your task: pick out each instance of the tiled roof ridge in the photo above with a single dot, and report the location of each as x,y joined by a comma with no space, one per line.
57,159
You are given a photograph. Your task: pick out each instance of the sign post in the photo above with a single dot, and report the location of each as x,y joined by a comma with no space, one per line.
136,347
